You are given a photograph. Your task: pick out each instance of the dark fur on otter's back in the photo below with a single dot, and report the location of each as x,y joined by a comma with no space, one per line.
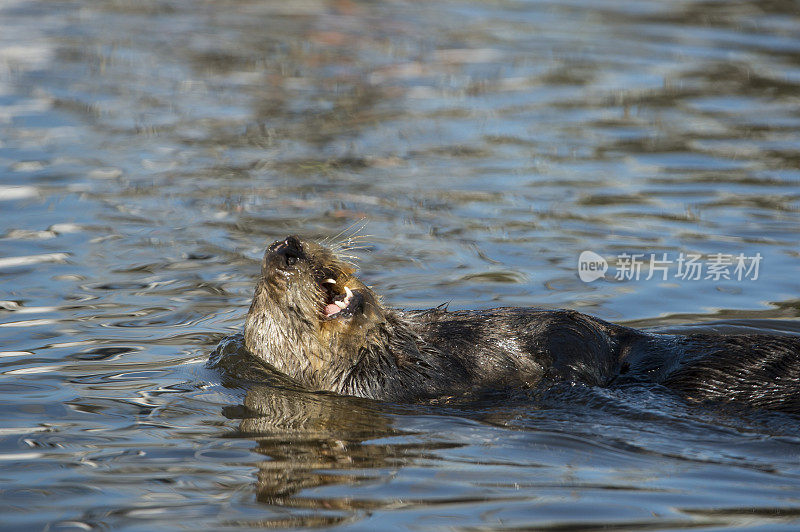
359,347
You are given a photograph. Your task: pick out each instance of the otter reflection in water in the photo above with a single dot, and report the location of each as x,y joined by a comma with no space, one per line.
314,321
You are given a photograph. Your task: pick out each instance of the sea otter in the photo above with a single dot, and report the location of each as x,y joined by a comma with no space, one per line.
314,321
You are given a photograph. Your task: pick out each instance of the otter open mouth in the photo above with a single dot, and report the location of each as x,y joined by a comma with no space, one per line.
339,304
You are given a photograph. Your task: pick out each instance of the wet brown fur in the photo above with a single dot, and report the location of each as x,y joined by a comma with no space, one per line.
382,353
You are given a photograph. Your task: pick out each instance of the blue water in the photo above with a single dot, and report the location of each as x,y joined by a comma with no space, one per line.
150,150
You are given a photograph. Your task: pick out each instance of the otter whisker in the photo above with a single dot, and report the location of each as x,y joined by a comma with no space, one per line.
351,244
359,239
351,257
354,238
352,248
343,232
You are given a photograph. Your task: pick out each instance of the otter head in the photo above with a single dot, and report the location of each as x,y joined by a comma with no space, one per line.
310,317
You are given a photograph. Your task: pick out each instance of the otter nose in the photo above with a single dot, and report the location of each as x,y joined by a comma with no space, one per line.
292,242
290,249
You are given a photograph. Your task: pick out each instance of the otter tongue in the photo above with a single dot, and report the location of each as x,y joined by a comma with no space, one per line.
331,309
338,306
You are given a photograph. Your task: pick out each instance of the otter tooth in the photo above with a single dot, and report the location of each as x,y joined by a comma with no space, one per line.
348,292
341,304
331,281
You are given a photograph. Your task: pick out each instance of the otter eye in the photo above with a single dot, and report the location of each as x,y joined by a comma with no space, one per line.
291,261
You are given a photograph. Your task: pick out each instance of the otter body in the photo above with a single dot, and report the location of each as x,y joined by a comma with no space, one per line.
313,320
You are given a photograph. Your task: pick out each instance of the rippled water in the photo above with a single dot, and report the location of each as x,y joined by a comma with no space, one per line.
149,151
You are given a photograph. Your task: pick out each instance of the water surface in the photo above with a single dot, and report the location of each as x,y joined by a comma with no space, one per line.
150,150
